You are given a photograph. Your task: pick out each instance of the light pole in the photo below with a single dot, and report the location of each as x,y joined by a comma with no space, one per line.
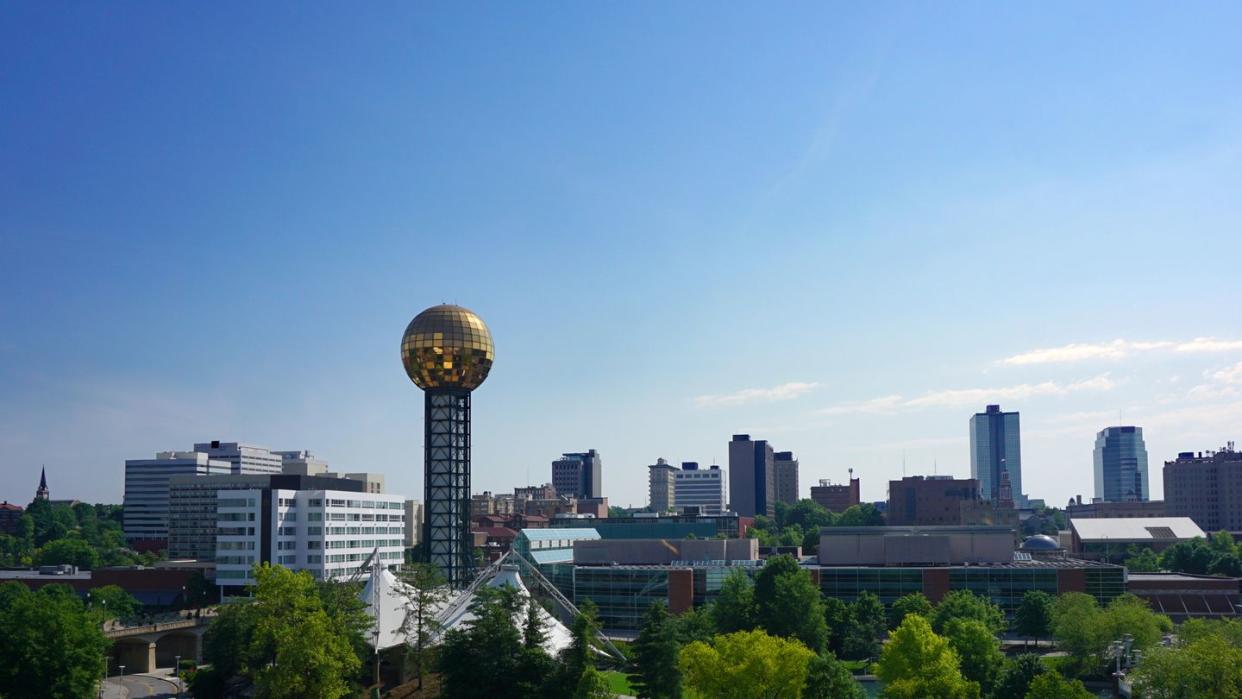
122,670
177,671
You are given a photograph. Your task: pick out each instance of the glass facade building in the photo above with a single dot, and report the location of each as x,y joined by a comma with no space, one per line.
1121,465
996,446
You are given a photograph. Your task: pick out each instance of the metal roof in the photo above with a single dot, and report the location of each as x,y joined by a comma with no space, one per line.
1136,529
552,534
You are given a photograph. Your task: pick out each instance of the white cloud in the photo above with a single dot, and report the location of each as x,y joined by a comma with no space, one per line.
785,391
970,396
1230,375
1118,349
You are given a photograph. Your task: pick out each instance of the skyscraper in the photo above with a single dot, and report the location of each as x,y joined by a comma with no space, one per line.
1121,465
752,485
785,475
243,458
995,446
447,351
147,491
578,474
662,495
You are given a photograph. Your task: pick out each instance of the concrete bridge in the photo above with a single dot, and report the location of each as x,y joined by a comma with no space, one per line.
144,645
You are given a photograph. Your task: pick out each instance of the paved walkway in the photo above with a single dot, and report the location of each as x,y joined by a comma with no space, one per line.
159,684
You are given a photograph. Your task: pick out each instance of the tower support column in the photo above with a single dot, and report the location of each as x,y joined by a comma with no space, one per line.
446,483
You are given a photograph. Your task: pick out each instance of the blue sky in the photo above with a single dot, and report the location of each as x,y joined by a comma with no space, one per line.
844,229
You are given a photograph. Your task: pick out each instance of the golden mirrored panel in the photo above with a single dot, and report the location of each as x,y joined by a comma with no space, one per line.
447,347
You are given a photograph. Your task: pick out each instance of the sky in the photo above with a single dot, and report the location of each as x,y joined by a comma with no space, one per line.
844,228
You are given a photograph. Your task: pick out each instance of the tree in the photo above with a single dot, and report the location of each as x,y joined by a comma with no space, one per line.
52,645
1051,685
482,659
1017,675
978,650
837,617
1193,556
74,552
917,663
913,603
592,685
1078,629
1128,614
788,603
864,515
745,665
655,656
828,678
734,609
964,604
1207,667
226,644
112,602
1141,559
1034,616
427,592
694,624
867,624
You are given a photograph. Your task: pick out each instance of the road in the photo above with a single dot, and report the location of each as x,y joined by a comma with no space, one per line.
134,686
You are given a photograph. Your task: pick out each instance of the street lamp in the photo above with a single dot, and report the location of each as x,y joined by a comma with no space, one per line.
122,671
177,671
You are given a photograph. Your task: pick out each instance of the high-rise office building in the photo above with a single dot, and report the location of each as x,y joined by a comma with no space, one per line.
1206,487
192,505
329,533
243,458
447,351
661,495
413,523
752,486
146,491
700,490
578,474
996,446
301,463
785,475
1121,465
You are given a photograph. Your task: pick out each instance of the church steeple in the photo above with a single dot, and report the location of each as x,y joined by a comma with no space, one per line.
42,492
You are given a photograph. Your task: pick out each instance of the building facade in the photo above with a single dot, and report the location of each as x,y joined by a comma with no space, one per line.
1077,509
752,485
413,523
785,476
661,494
579,474
929,500
996,446
192,505
1206,487
839,497
1121,465
10,514
242,458
147,489
700,491
329,533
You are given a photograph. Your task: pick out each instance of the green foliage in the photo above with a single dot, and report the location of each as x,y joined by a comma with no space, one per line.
978,650
72,551
1217,556
837,617
112,602
864,515
694,625
1084,630
1034,616
828,678
655,656
734,609
745,665
51,645
592,685
1142,559
1015,678
918,663
1210,665
964,604
788,604
427,593
866,626
310,646
799,524
913,603
1051,685
489,657
226,645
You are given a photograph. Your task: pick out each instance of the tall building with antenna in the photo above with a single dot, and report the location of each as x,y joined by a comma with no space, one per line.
1121,465
995,447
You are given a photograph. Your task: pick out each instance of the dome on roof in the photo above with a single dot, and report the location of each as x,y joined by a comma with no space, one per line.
1040,542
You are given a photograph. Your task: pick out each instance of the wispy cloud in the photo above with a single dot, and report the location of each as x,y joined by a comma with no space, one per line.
785,391
970,396
1118,349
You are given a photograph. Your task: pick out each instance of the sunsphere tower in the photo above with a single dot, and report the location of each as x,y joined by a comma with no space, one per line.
447,351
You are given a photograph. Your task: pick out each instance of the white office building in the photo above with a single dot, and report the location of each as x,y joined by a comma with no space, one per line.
701,488
243,458
327,532
146,490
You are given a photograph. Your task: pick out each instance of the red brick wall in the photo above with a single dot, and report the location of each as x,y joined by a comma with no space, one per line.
1071,581
935,583
680,590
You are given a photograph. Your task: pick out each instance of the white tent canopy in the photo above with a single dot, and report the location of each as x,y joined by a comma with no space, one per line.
388,600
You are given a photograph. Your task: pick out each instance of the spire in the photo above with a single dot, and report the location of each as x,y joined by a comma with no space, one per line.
42,492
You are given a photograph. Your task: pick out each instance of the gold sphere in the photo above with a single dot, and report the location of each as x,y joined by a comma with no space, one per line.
447,347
